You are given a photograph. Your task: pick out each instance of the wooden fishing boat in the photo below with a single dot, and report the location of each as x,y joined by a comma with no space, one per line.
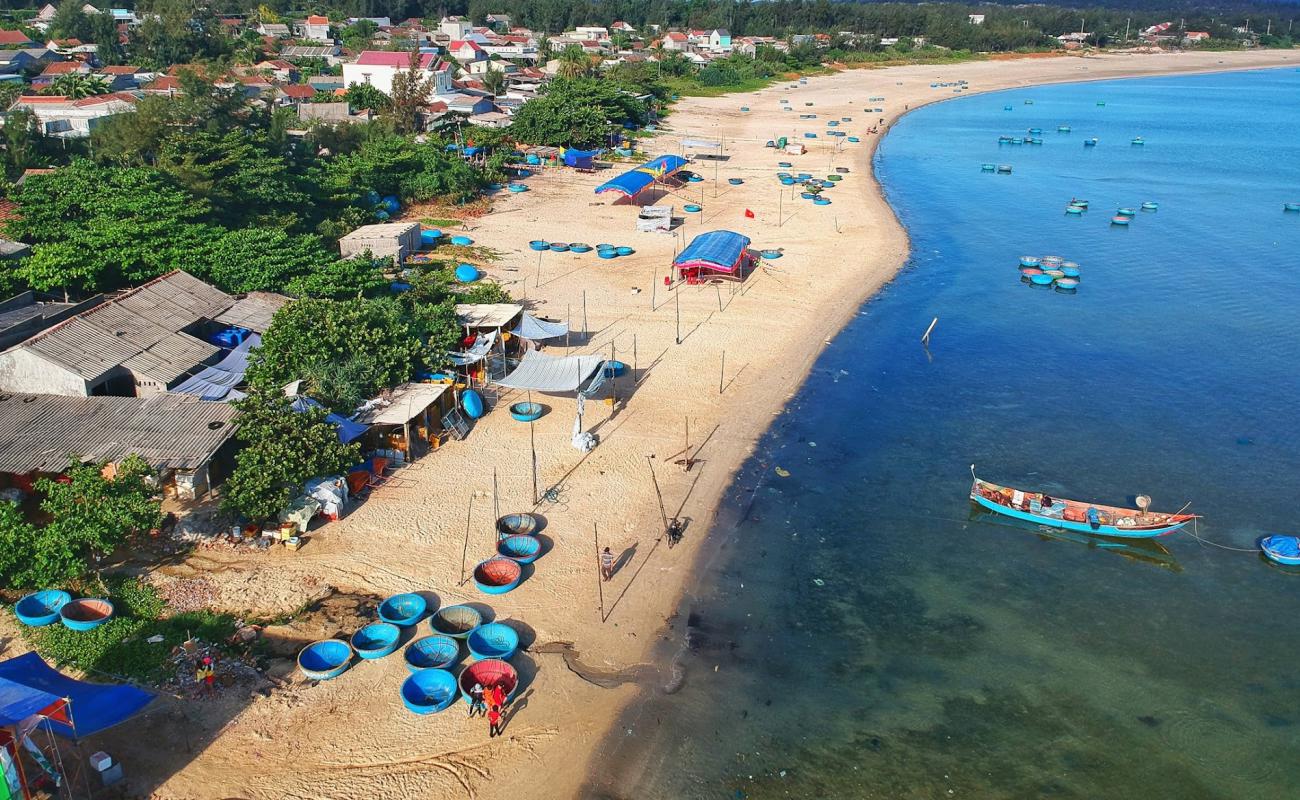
1073,515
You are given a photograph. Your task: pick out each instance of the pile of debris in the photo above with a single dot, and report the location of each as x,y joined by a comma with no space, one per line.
187,594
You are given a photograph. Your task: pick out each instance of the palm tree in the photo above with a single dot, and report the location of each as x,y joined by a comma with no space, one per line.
494,80
77,85
574,62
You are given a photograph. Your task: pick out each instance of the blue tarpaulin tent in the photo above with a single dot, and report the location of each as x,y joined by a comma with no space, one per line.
635,181
581,159
28,686
348,430
715,250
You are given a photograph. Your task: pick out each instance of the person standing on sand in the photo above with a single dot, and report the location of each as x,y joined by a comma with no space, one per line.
606,564
498,696
494,722
206,677
476,699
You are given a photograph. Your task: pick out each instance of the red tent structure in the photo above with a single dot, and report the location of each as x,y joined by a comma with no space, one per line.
716,255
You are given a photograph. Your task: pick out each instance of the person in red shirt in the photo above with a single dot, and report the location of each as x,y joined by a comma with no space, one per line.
494,721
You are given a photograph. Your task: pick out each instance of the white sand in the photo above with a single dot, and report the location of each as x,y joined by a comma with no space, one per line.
351,737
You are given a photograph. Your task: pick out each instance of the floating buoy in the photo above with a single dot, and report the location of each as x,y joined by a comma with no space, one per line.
1101,103
1029,102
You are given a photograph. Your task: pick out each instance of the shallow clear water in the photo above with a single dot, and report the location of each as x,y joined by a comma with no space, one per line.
862,633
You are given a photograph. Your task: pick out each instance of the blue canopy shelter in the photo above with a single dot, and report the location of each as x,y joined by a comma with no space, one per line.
716,254
635,181
580,159
29,686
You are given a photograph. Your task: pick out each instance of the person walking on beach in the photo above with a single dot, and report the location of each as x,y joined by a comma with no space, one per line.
606,564
206,676
476,700
494,722
674,533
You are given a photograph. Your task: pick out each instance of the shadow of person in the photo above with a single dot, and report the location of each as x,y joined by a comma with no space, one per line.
623,559
514,708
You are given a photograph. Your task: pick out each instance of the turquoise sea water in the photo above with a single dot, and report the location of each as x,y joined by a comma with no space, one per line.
859,632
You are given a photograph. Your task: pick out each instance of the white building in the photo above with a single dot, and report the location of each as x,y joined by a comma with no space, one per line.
317,29
975,19
378,68
591,32
455,27
65,118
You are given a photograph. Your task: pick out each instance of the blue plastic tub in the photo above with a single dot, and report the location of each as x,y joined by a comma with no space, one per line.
624,250
403,610
539,245
376,640
455,621
429,691
430,237
526,412
497,575
494,640
462,241
614,368
326,659
41,608
517,187
579,247
524,549
472,402
770,255
431,652
691,208
86,613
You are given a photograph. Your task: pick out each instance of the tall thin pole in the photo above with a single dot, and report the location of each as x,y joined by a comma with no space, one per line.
677,298
532,443
780,204
600,579
465,552
496,503
718,287
584,312
654,288
663,514
634,372
722,371
538,282
568,319
613,374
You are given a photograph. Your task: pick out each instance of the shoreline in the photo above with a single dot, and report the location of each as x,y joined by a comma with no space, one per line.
630,768
589,649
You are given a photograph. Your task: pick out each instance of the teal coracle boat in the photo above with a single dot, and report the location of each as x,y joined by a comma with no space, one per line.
1072,515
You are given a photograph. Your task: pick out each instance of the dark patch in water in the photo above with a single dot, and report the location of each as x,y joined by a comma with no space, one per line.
1149,721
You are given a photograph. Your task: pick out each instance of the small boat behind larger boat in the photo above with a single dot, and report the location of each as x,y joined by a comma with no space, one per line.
1073,515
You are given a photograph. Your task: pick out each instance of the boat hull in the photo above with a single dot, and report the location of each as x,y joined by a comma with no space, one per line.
1068,525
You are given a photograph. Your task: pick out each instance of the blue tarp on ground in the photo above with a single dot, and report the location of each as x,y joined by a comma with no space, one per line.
634,181
348,430
218,381
713,250
580,158
94,706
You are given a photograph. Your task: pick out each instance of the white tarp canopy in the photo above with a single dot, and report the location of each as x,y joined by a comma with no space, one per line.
477,352
536,330
542,373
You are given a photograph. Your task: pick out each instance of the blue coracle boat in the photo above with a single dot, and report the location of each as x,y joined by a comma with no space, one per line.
1281,549
1072,515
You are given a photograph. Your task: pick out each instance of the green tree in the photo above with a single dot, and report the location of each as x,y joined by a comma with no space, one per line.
94,228
70,22
411,89
574,62
135,139
238,174
17,545
77,85
340,279
362,96
358,35
494,81
261,259
94,514
22,140
308,333
102,30
282,449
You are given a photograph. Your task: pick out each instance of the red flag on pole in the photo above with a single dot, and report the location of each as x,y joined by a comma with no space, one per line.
749,214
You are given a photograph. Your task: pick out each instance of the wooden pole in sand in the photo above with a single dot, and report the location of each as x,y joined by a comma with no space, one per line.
538,282
663,513
465,552
722,371
654,288
677,298
600,579
496,504
532,444
634,373
718,287
613,374
780,204
584,312
568,318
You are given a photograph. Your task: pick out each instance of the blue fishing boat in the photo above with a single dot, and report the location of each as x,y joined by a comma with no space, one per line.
493,640
579,247
624,250
1035,131
1041,279
85,614
1074,201
403,610
41,608
524,549
429,691
431,652
1291,206
1281,549
1126,212
1070,269
1150,206
325,659
1030,261
1062,128
467,273
455,621
497,575
1089,142
462,241
1004,169
516,524
559,247
988,167
1120,221
1074,209
1067,284
1072,515
1139,140
539,245
376,640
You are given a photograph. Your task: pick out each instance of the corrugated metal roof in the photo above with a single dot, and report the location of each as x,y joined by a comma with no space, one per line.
175,355
487,315
407,401
253,312
94,342
39,432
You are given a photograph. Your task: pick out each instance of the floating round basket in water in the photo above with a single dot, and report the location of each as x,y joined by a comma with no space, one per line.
376,640
1029,272
1281,549
526,412
1150,206
455,621
488,673
1067,284
462,241
1055,273
1074,209
579,247
524,549
85,614
431,652
1070,270
41,608
497,575
1126,212
468,273
326,659
539,245
1121,221
1052,261
1030,261
511,524
1291,206
1138,141
1041,280
403,609
494,640
429,691
1079,203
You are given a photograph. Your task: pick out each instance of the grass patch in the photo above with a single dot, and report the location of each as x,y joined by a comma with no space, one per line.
119,647
689,87
432,222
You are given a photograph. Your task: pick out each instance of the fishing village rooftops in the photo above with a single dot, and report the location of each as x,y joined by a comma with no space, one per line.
38,432
405,403
487,315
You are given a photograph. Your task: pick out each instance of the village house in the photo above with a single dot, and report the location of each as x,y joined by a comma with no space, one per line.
279,69
498,22
124,77
455,27
378,68
975,19
466,51
329,52
316,28
15,40
395,240
145,341
27,314
676,40
719,39
65,118
330,114
274,30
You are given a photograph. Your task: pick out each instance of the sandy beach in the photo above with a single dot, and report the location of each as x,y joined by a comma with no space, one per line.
743,351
